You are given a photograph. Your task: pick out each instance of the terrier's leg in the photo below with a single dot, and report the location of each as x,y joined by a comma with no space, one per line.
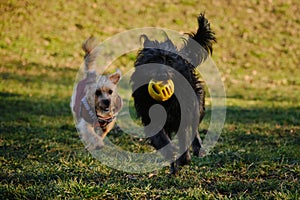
91,140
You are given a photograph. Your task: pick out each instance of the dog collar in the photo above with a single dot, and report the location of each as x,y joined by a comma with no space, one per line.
105,121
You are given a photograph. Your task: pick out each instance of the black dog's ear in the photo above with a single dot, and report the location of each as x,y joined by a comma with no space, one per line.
155,44
148,43
145,40
115,77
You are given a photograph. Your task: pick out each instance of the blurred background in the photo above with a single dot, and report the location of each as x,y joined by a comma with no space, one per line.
257,54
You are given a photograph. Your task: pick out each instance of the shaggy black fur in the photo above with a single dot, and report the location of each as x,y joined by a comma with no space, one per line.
156,55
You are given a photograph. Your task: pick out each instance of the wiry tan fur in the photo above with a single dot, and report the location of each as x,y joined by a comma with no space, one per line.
106,85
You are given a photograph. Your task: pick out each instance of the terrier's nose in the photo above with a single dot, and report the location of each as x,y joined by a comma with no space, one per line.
106,102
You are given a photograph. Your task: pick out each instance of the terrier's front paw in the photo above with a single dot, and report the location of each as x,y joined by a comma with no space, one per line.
95,143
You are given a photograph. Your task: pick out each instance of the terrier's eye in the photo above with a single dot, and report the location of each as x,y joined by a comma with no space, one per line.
110,91
98,93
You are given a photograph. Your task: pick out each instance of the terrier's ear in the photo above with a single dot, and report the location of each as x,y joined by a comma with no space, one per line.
114,78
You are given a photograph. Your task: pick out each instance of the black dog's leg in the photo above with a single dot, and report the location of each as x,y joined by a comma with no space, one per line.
159,141
196,144
185,158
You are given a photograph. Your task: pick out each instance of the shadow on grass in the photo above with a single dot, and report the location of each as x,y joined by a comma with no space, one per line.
255,163
26,108
263,115
16,107
37,73
253,155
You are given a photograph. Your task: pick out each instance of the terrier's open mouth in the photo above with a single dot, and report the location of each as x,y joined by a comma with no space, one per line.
105,109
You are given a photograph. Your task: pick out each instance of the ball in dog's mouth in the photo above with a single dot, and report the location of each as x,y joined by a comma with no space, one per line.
161,90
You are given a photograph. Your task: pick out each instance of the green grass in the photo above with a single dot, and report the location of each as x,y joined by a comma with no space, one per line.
257,156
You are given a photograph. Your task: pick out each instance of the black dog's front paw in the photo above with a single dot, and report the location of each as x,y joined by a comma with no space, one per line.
173,168
199,152
184,159
202,153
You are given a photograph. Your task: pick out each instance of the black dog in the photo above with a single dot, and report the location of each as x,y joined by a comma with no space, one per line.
167,77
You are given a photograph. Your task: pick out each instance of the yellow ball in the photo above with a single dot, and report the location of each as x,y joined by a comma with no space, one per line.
161,90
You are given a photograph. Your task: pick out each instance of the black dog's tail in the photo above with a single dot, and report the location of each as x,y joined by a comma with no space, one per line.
205,37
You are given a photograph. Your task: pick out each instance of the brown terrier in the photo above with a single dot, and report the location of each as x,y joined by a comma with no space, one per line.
95,101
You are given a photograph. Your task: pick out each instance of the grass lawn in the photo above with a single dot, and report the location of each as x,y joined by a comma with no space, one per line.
257,155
